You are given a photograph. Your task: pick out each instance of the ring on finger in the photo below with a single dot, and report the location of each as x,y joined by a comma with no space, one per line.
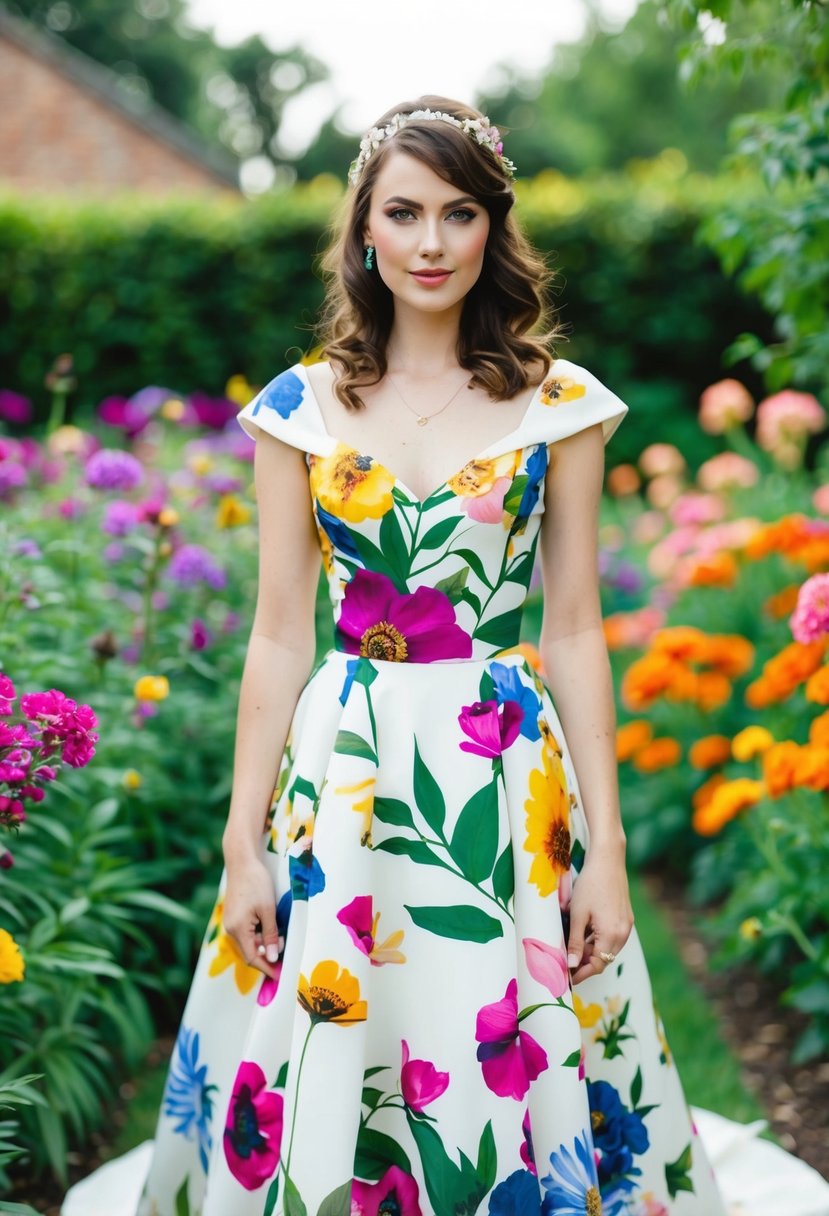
260,949
607,956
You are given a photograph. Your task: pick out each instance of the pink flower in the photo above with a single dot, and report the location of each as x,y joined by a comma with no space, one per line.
15,408
548,965
395,1192
527,1152
488,508
420,1081
199,634
658,459
788,415
510,1058
726,471
491,729
62,721
380,622
820,499
7,695
253,1132
723,405
361,923
693,508
810,619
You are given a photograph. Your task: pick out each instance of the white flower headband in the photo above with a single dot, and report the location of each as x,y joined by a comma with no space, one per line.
479,128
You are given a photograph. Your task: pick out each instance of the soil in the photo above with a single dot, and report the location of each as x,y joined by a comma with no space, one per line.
760,1032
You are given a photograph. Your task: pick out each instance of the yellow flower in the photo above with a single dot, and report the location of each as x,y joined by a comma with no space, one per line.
350,485
132,779
151,688
172,409
751,928
479,476
165,548
12,966
548,822
332,995
364,807
749,742
558,389
231,512
588,1015
168,517
201,463
229,955
385,952
237,389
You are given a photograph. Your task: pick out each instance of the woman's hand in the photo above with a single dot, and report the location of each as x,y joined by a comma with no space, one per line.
601,917
250,914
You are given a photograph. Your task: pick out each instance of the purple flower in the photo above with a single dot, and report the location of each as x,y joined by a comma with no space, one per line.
131,414
114,551
223,483
379,622
71,508
12,477
112,469
192,564
26,548
120,517
214,412
490,729
199,634
14,408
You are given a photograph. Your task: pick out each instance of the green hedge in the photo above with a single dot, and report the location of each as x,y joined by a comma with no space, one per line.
187,293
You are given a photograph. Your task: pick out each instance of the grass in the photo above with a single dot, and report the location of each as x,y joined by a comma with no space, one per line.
709,1070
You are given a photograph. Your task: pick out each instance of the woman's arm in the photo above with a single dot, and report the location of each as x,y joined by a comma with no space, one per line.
577,671
279,659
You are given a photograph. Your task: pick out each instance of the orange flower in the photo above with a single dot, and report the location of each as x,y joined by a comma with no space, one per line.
780,767
750,742
812,767
725,804
701,796
759,694
717,570
632,736
817,686
686,643
659,753
819,730
646,679
713,689
783,603
814,553
730,653
623,479
709,751
785,535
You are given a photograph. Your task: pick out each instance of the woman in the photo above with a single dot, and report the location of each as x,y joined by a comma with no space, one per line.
420,991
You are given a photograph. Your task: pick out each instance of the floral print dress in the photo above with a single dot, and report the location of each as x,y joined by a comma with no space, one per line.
421,1051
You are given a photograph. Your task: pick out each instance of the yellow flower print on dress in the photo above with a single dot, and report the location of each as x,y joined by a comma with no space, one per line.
479,476
548,822
588,1015
229,955
558,389
363,806
332,995
351,486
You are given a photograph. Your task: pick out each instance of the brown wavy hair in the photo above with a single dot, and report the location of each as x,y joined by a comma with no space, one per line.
509,301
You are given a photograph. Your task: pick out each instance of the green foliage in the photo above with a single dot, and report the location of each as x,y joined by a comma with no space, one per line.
779,243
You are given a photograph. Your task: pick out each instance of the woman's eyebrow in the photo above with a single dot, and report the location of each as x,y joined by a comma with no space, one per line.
408,202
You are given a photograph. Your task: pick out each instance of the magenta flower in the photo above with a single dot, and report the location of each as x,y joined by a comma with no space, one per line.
380,622
7,695
214,412
253,1132
15,408
112,469
491,729
420,1081
395,1192
199,634
548,965
810,619
510,1058
192,564
6,860
527,1151
63,722
131,414
120,517
12,477
361,922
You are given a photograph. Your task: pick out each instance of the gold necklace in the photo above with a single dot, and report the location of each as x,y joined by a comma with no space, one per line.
422,419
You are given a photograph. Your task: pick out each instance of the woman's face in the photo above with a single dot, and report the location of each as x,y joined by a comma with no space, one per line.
418,224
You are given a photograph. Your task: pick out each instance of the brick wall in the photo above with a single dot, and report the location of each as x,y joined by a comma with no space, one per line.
57,135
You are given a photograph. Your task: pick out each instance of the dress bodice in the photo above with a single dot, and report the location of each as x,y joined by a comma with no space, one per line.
445,578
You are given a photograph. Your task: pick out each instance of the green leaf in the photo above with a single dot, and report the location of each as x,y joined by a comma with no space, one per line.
375,1153
503,876
348,743
394,546
572,1060
501,631
515,493
415,849
428,795
371,1096
473,560
521,572
677,1173
453,586
182,1201
372,1072
282,1076
463,922
469,597
273,1195
636,1089
365,672
374,558
338,1203
393,811
487,1158
439,534
293,1200
474,844
444,1182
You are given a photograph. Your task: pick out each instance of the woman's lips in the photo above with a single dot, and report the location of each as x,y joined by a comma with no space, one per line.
431,280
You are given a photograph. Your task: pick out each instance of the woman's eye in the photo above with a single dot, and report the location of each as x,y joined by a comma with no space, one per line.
398,211
404,212
464,212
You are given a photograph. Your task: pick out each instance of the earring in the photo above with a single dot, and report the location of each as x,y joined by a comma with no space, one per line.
368,260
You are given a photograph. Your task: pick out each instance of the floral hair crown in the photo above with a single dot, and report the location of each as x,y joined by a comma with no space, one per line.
480,130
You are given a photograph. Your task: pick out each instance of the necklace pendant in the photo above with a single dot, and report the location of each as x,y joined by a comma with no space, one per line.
422,420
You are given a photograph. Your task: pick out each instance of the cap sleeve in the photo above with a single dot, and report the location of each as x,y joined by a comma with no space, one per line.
570,400
286,408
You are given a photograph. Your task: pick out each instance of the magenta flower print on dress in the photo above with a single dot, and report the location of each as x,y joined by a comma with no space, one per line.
548,965
420,1081
361,922
490,729
510,1058
395,1192
380,622
253,1133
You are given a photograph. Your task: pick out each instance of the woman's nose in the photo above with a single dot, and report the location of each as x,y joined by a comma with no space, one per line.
431,237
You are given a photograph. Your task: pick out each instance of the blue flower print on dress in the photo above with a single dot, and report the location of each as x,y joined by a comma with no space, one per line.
572,1185
306,874
509,687
341,537
516,1196
536,469
283,394
618,1134
188,1097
